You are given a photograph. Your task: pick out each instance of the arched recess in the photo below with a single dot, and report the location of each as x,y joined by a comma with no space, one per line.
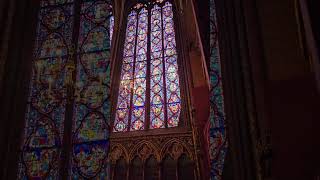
151,169
185,168
145,149
120,172
136,169
117,152
169,168
175,149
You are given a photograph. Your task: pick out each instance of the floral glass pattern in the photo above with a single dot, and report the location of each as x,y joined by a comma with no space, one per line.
217,136
149,90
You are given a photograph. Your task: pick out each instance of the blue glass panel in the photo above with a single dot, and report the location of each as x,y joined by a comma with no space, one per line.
45,115
218,141
91,116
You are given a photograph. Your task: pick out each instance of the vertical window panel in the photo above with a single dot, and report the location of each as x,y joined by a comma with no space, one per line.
171,66
111,28
139,90
126,83
45,114
157,119
91,108
218,141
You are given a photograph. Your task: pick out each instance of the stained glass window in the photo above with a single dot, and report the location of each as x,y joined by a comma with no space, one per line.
92,106
217,136
149,90
68,39
45,117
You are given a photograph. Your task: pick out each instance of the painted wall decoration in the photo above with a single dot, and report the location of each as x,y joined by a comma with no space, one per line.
149,73
43,138
218,139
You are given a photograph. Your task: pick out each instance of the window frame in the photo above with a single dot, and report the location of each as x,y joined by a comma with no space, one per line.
183,71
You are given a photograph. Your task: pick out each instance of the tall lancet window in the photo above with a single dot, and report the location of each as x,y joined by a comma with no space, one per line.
149,91
66,134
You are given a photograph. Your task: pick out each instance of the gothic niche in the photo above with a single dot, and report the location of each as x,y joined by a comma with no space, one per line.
164,157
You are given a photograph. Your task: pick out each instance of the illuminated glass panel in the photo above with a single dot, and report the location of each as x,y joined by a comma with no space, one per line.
171,67
157,118
140,70
45,115
111,28
164,106
126,83
92,105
